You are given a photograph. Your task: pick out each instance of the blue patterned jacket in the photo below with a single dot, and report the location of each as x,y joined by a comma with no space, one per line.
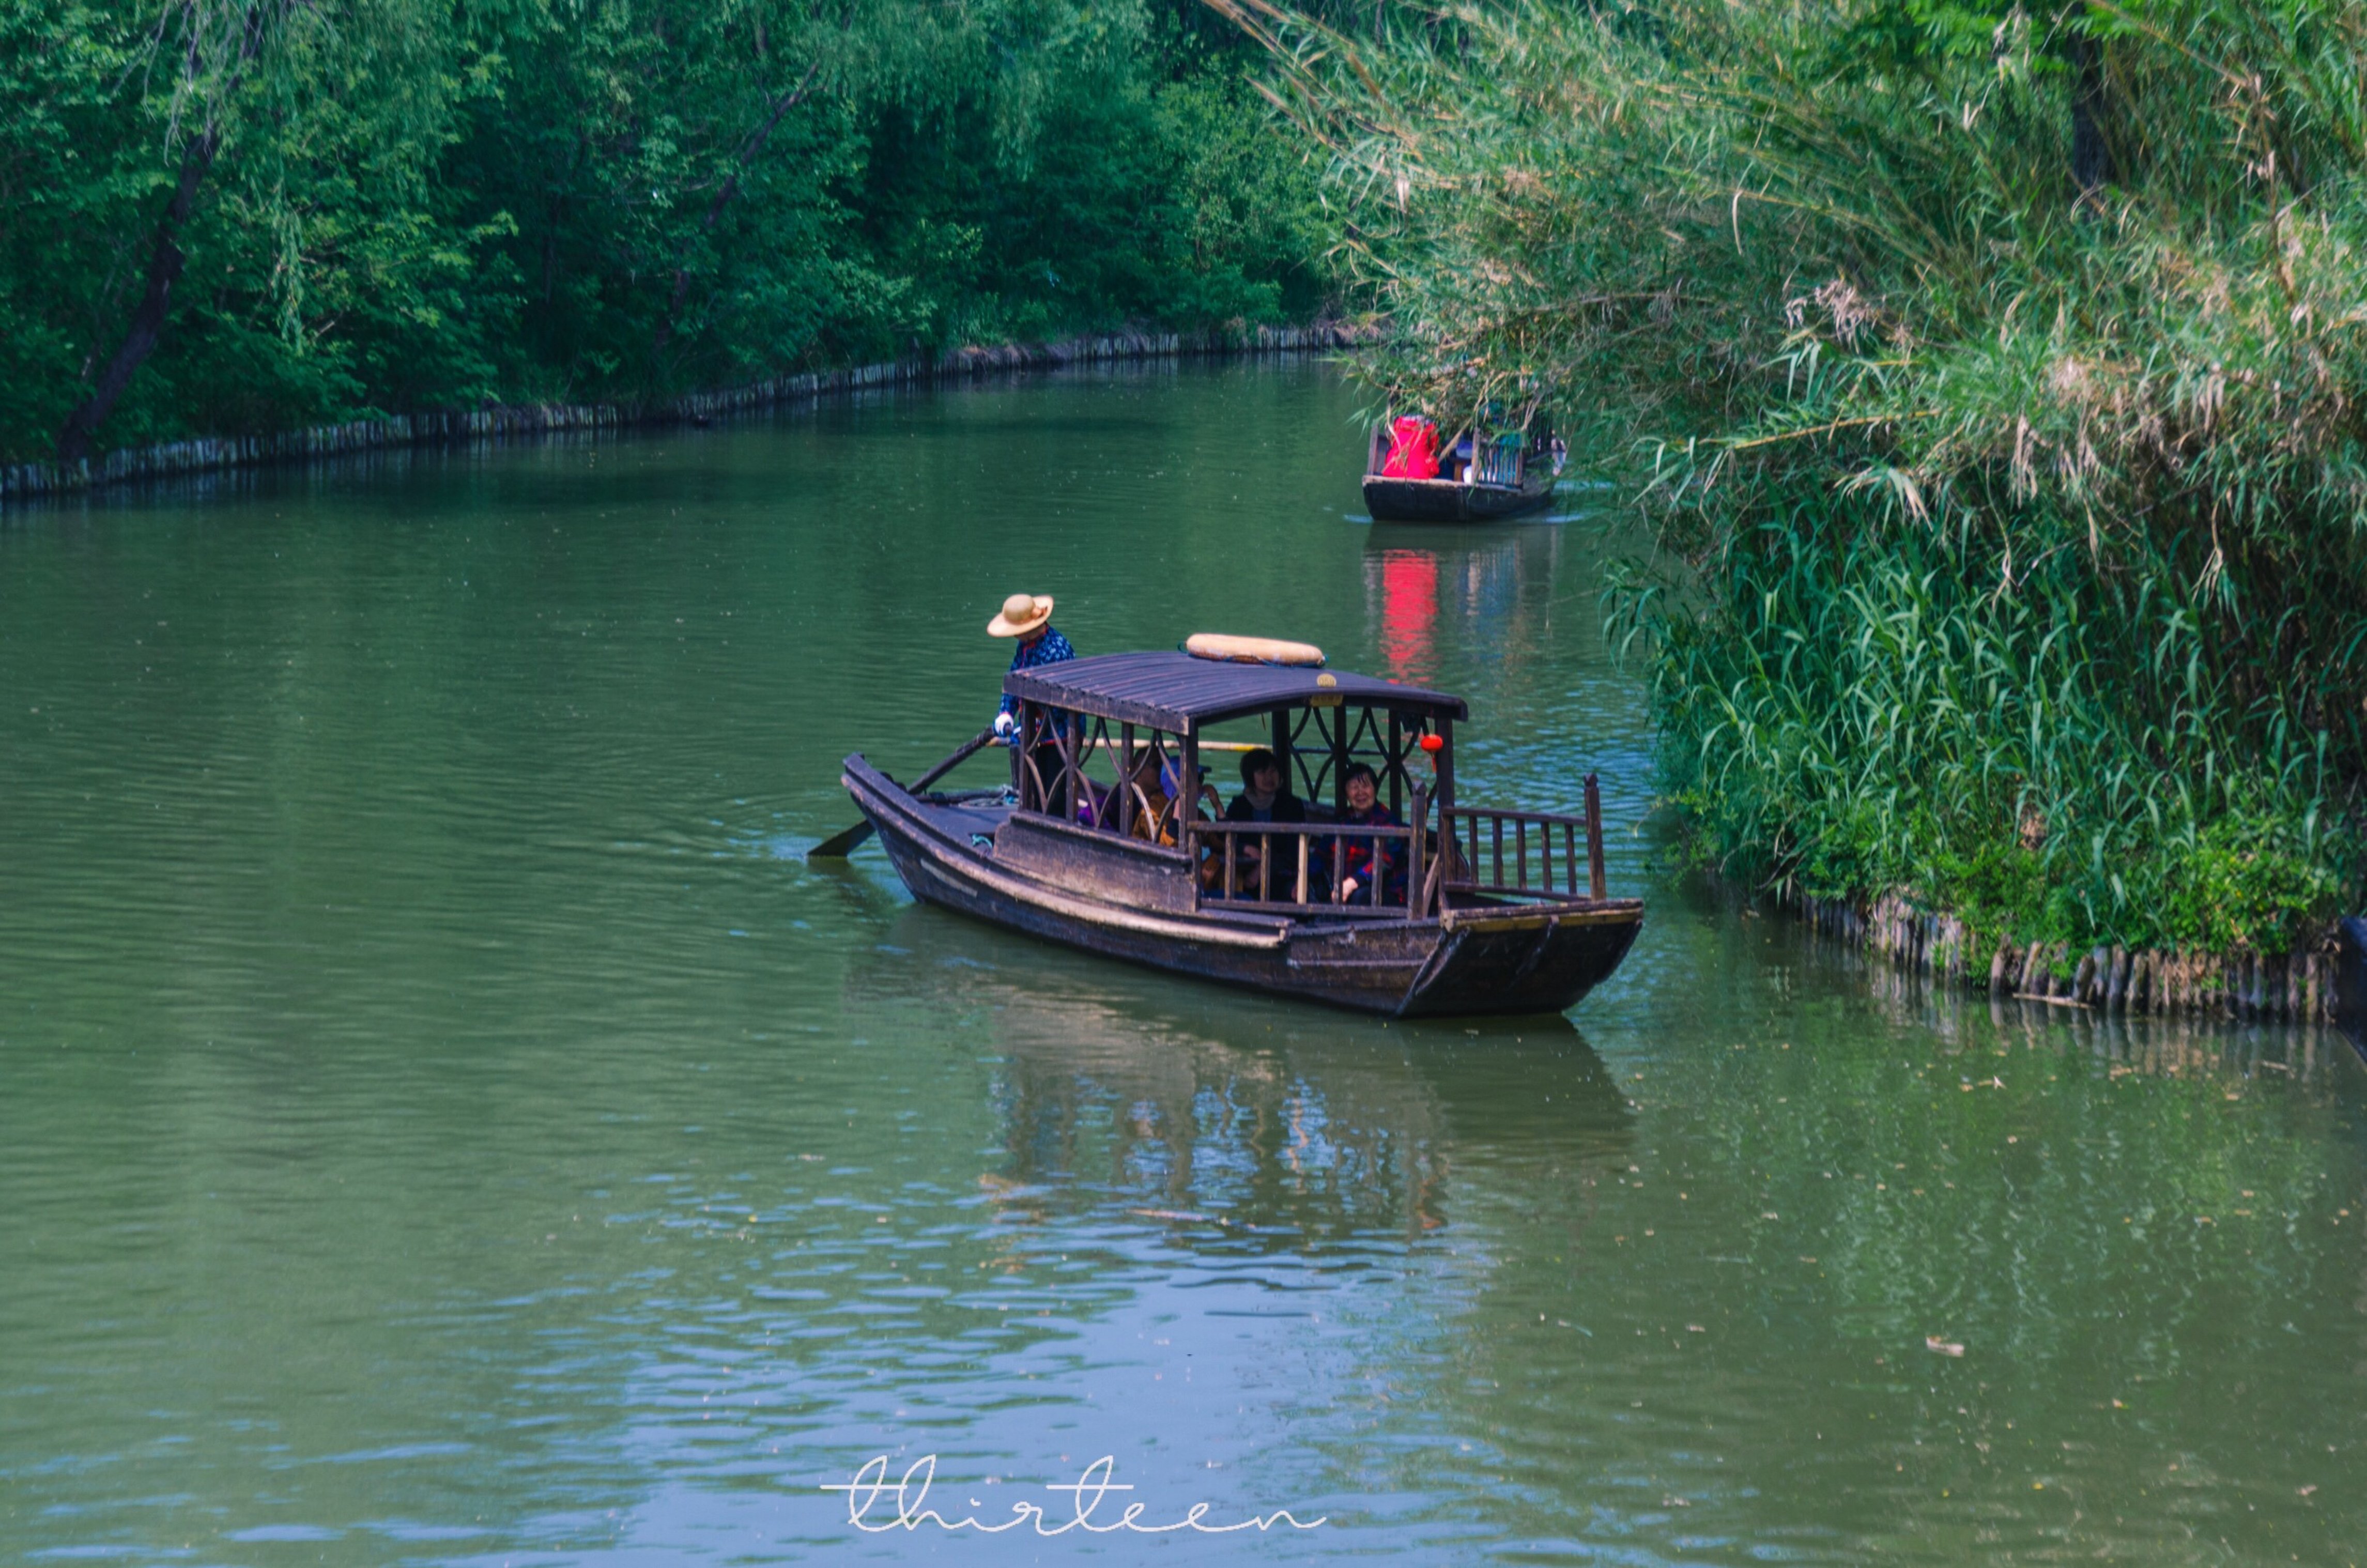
1049,649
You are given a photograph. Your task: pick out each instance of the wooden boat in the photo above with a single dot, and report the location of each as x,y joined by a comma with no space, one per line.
1495,484
1478,910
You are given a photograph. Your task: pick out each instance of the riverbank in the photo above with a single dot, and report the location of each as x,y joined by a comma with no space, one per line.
2301,986
25,482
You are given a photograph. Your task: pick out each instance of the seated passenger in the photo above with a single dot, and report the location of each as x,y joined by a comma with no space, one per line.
1265,796
1154,783
1358,855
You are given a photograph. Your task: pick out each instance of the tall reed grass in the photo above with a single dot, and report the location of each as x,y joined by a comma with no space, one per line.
2064,763
1995,378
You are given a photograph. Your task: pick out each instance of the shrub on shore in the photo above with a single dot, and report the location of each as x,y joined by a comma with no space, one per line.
1995,381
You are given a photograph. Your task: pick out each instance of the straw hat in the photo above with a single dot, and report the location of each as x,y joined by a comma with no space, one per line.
1023,614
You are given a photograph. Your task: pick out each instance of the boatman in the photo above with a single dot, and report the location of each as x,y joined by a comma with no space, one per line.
1028,618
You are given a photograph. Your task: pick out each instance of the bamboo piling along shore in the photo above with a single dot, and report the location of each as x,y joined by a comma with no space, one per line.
32,481
2299,987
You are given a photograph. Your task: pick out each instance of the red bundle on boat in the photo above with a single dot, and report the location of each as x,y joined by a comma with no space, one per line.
1413,449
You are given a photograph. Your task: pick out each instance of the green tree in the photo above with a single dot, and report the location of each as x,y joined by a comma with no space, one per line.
257,166
234,216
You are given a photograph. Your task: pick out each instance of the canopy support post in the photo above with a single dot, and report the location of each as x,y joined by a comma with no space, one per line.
1022,758
1187,803
1395,766
1338,731
1596,887
1126,785
1072,764
1445,764
1417,888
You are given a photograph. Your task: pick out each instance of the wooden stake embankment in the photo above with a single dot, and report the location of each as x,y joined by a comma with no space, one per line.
2297,988
33,481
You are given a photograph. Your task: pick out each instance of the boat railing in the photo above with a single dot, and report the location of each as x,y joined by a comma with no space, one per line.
1523,853
1498,462
1295,868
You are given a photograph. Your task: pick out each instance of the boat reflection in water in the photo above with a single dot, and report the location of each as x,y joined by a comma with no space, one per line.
1489,594
1244,1125
1403,584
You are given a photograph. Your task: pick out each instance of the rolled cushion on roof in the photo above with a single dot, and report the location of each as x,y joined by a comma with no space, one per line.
1251,650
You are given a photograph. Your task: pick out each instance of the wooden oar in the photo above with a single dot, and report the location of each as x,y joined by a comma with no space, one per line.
839,846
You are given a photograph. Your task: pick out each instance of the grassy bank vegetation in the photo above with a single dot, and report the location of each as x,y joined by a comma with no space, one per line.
1993,380
228,217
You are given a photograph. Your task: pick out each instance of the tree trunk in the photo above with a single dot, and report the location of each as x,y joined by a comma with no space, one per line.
164,261
779,108
147,322
2091,157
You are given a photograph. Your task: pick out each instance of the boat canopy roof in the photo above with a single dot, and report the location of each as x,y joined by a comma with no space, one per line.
1175,692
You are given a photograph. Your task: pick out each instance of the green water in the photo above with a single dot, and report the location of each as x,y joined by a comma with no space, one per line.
442,1120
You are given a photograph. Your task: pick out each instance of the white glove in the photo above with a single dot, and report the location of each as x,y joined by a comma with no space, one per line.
1003,724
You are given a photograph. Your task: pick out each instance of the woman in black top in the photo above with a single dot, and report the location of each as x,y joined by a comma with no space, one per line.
1265,795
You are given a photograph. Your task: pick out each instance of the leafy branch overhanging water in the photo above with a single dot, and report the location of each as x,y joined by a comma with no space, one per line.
1992,377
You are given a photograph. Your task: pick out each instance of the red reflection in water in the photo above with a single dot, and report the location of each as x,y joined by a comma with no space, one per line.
1408,610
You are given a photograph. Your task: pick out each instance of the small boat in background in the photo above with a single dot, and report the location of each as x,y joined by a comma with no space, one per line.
1412,477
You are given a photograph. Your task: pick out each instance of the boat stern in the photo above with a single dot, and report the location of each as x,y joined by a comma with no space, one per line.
1523,958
